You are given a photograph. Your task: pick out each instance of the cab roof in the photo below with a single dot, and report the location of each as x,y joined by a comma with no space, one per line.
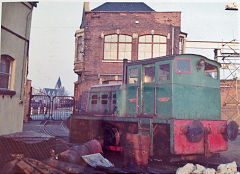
164,58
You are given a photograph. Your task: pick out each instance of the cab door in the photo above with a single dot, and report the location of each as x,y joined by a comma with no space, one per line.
148,90
163,89
133,90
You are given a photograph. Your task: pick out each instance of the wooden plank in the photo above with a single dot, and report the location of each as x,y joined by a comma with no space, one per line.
26,168
10,167
42,167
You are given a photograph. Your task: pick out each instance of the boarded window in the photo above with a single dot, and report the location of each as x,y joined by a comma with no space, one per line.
94,102
183,65
133,76
105,96
211,71
94,97
104,99
164,72
104,102
149,74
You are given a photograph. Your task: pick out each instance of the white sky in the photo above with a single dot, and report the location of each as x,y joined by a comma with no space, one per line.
54,23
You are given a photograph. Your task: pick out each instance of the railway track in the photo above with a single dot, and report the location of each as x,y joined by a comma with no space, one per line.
60,132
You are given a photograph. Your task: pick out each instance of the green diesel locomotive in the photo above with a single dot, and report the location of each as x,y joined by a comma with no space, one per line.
175,100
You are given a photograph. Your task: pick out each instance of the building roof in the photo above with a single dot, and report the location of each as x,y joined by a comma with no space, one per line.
49,91
124,6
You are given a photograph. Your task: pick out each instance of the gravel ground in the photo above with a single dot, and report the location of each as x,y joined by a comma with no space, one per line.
233,153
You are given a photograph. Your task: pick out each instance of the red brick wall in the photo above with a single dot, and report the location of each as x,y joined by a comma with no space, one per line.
98,23
27,95
109,23
230,97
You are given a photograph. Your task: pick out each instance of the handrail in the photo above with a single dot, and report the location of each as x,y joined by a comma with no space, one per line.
137,100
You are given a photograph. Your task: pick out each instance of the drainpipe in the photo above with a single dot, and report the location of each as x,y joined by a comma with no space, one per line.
25,56
124,89
172,52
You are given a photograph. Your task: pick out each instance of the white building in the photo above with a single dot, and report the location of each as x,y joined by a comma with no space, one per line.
15,32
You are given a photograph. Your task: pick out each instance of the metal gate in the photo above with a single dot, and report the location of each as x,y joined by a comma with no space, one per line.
62,107
43,107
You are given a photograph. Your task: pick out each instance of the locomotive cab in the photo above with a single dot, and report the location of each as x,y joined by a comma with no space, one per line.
174,87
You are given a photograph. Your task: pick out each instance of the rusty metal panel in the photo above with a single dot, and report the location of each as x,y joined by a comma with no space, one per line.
216,140
180,143
136,149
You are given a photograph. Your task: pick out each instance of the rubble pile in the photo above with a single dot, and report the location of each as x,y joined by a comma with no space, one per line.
28,144
84,158
74,154
189,168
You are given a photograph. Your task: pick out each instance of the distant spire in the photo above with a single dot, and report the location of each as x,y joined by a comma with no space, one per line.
58,84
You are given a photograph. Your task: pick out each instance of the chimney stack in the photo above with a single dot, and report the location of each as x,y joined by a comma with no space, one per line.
86,6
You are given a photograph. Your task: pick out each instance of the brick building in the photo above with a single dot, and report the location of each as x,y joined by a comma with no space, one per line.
116,30
230,108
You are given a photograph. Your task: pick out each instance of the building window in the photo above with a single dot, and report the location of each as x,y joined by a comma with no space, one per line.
117,47
183,66
80,48
149,74
181,46
152,46
5,72
164,72
211,71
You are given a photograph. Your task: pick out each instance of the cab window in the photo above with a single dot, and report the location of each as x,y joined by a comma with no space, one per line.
104,99
211,71
183,66
114,98
164,72
149,74
133,76
94,99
